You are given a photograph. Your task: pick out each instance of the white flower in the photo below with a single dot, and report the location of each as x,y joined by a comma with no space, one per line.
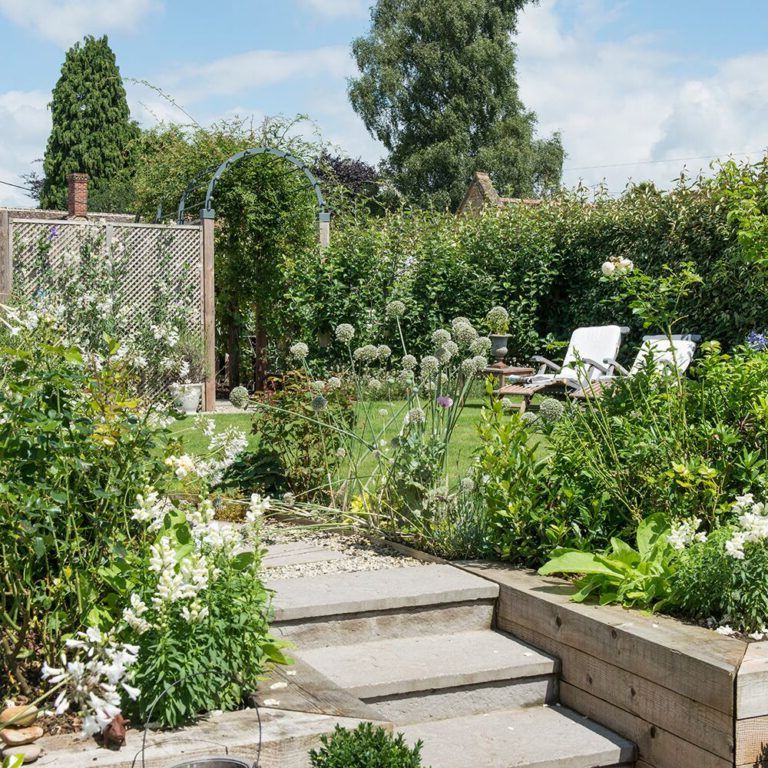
182,465
735,546
258,506
344,333
383,352
415,416
334,382
608,268
429,365
684,533
440,336
725,630
366,354
395,309
299,351
409,362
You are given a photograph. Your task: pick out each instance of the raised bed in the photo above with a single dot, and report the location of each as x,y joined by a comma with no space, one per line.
687,696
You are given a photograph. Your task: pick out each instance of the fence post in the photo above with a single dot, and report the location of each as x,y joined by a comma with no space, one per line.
324,229
209,310
6,256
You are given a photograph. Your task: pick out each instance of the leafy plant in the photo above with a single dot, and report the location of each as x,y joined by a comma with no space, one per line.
239,397
640,578
365,747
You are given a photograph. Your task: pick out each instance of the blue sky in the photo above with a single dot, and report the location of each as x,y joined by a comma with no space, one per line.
633,86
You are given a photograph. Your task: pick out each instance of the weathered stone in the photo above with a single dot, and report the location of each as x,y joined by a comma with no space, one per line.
30,752
16,737
20,716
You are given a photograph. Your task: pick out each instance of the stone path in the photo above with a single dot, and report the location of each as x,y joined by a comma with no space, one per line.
416,647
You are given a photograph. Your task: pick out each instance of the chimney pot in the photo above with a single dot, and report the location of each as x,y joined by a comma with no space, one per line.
77,195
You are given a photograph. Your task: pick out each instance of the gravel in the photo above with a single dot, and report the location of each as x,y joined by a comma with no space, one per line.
360,554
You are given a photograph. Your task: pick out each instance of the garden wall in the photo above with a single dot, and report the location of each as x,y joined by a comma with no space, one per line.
687,696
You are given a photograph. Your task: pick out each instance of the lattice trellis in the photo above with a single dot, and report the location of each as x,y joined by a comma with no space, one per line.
151,252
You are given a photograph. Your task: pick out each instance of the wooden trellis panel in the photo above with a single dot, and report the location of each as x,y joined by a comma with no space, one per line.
151,250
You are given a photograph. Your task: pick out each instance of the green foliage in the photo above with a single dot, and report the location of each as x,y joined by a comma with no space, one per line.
297,426
711,583
525,515
365,747
92,129
74,452
437,87
639,578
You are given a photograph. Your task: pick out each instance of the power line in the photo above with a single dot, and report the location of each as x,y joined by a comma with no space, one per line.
668,160
8,184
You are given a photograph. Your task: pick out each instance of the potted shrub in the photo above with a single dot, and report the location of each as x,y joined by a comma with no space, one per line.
498,324
192,372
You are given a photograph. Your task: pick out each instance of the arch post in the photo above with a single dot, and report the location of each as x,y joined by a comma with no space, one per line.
208,217
324,228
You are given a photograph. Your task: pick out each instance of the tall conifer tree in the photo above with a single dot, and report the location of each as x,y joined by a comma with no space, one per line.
438,88
92,128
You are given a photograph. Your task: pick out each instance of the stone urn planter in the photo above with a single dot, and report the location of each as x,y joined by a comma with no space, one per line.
499,343
189,397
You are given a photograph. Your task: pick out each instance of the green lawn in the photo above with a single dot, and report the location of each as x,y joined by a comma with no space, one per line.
465,438
464,441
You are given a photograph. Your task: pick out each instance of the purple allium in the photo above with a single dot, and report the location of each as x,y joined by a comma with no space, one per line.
757,341
444,401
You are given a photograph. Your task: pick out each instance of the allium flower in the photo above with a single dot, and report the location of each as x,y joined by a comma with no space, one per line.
366,354
405,378
480,346
468,367
447,352
551,410
415,416
299,351
383,352
374,385
457,321
480,362
429,365
444,401
289,498
440,336
395,309
334,382
383,412
409,362
341,453
345,333
467,484
507,403
317,386
319,403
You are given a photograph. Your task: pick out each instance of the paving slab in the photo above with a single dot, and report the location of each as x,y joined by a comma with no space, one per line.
407,665
542,737
297,552
385,589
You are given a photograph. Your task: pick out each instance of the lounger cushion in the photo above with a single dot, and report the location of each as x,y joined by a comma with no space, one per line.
659,352
597,343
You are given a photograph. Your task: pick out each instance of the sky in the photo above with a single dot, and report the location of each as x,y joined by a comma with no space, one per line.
638,89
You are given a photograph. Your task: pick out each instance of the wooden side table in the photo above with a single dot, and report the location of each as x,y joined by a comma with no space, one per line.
500,370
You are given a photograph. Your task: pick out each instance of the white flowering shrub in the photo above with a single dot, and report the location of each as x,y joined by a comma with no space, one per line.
195,609
724,575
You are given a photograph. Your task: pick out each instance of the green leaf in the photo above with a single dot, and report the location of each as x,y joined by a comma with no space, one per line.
574,561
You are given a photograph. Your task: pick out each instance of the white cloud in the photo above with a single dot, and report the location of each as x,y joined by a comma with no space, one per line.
65,21
337,7
621,103
24,125
256,69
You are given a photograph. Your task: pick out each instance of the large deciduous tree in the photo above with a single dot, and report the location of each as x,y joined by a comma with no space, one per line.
92,128
437,87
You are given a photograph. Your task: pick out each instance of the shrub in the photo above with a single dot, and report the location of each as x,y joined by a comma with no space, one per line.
75,449
365,747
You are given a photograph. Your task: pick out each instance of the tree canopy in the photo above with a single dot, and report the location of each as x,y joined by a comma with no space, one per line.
92,129
437,86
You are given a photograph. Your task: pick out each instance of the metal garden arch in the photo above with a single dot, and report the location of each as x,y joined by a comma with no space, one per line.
208,212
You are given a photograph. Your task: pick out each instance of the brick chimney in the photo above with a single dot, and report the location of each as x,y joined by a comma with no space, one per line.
77,195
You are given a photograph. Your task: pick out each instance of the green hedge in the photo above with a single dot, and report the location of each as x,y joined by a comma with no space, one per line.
542,263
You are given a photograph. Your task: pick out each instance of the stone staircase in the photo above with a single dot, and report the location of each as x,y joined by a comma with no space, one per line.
417,646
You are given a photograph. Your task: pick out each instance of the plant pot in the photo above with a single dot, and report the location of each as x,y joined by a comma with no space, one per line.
189,397
499,346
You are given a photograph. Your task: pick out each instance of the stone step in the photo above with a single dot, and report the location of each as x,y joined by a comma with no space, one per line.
412,665
381,590
539,737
